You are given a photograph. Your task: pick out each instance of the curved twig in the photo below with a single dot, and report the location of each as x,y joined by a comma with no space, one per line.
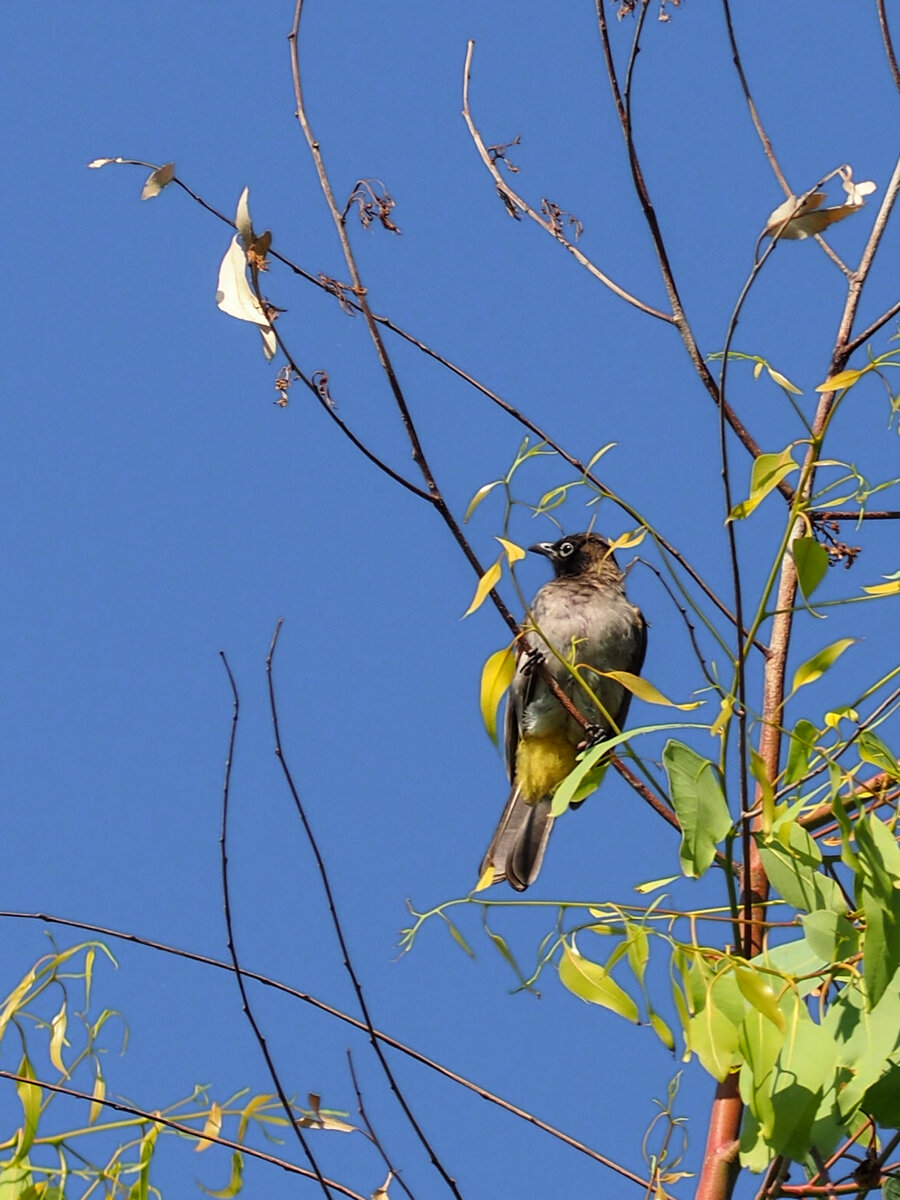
515,203
339,930
226,897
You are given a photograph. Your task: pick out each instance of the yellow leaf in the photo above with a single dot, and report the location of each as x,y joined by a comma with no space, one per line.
757,370
485,881
211,1128
726,708
843,379
58,1038
496,676
489,580
514,553
884,589
626,540
644,689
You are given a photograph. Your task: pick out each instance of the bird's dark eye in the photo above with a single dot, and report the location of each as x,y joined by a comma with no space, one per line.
565,549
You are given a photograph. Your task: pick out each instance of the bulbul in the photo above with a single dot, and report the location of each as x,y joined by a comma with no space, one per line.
580,620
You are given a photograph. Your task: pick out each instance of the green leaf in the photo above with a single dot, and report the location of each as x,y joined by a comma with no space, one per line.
486,584
803,740
589,981
814,668
878,874
873,750
661,1029
794,872
768,471
458,937
811,561
767,792
483,491
699,803
496,676
830,935
714,1039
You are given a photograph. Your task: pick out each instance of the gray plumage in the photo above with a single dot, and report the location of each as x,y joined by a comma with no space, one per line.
581,616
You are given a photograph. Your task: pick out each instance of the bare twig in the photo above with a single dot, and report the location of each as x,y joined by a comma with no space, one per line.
515,203
888,43
339,930
373,1136
245,1002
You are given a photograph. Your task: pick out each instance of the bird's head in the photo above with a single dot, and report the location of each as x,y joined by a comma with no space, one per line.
580,554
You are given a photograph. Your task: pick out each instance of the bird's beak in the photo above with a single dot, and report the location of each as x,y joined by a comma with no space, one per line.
545,548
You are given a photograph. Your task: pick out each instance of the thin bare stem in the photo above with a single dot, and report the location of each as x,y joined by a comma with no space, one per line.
339,930
888,43
668,277
373,1136
187,1130
515,204
245,1001
754,114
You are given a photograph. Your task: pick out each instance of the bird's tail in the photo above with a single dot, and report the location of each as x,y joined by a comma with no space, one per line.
517,847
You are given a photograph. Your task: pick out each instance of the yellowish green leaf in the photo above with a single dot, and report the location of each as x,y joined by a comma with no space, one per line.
782,381
99,1095
486,583
759,992
479,496
768,471
767,792
662,1031
234,1183
814,668
720,724
589,981
653,885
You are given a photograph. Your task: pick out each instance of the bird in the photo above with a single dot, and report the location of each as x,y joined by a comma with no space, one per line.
580,619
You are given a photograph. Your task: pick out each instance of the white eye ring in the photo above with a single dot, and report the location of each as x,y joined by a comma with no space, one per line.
565,550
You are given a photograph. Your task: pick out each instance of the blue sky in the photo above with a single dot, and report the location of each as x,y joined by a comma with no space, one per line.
159,508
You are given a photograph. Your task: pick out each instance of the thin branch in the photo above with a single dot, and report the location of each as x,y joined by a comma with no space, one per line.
888,43
226,896
178,1127
678,314
330,1010
514,203
754,115
373,1136
338,927
852,515
854,343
